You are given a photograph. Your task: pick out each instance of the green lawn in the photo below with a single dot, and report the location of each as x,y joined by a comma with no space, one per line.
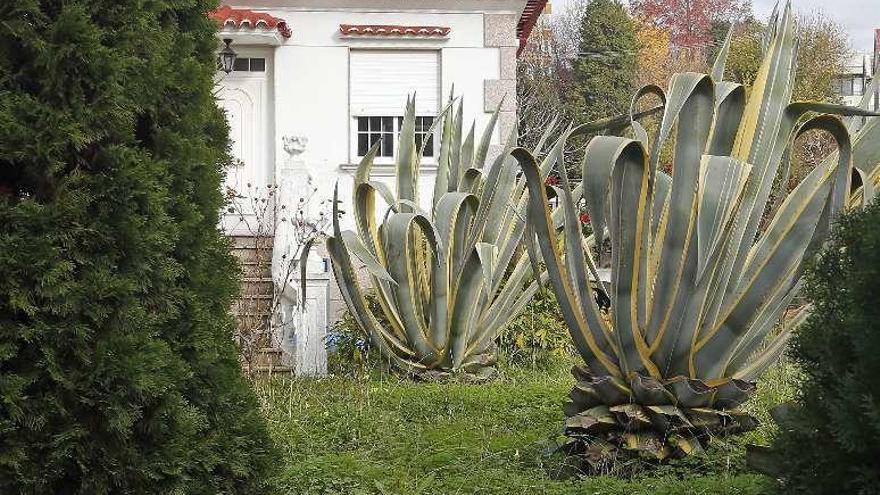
385,435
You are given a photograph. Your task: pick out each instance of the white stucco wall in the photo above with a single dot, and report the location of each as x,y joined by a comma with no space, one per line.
312,83
310,78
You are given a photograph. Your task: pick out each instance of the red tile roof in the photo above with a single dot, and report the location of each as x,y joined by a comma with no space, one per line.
393,30
239,18
527,21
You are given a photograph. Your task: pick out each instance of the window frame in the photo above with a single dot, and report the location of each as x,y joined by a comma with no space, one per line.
396,122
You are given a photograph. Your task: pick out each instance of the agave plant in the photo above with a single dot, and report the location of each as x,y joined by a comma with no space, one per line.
697,284
447,280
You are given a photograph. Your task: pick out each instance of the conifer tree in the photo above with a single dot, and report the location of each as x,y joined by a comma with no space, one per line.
605,69
117,369
829,442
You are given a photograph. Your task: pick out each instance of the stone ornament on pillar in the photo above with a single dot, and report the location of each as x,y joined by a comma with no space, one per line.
300,340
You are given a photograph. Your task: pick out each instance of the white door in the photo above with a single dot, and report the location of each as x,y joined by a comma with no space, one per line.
245,97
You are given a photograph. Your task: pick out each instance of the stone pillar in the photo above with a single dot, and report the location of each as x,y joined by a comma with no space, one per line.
499,31
299,328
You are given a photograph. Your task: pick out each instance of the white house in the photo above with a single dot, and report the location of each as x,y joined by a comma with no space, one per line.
335,75
853,82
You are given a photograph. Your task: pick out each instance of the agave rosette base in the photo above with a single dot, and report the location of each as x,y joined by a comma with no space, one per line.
608,418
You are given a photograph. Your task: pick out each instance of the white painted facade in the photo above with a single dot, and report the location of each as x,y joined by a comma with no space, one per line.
316,83
856,78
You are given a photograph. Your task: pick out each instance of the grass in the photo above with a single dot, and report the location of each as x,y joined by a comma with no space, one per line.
383,435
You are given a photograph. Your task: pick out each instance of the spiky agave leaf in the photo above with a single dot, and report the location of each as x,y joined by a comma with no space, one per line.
697,288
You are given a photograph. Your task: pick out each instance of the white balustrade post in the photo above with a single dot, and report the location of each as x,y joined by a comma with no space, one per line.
299,329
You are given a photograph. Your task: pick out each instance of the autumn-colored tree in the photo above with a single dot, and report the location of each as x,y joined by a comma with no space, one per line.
823,48
690,22
655,55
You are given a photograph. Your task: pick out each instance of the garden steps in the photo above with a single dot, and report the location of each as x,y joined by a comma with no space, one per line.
252,309
268,361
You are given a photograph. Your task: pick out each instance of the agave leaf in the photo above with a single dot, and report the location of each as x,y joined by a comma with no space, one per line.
303,270
407,160
864,186
773,87
774,349
386,194
399,232
545,136
467,153
691,104
866,148
594,351
496,196
762,326
721,59
576,259
386,341
629,216
440,117
472,180
730,102
466,304
354,245
444,160
777,256
482,149
412,205
488,254
597,187
721,183
455,162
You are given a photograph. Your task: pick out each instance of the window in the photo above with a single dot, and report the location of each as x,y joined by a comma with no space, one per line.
858,85
380,82
245,64
385,130
853,85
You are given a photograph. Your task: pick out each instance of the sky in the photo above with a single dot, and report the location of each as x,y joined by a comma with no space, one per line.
858,17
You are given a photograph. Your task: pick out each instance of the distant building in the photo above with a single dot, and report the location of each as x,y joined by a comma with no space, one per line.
852,84
308,86
861,68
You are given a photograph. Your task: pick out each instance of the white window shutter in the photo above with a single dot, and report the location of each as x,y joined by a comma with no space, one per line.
382,79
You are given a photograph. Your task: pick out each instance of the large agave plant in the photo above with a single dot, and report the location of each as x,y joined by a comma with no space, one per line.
447,280
697,284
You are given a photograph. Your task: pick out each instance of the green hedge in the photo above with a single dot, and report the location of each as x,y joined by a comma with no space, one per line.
117,368
830,443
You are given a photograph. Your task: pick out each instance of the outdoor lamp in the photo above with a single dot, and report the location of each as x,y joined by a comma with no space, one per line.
226,58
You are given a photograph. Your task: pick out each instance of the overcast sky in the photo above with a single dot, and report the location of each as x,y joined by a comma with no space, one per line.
859,17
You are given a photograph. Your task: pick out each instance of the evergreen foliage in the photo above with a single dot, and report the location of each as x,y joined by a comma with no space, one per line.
605,69
831,443
117,369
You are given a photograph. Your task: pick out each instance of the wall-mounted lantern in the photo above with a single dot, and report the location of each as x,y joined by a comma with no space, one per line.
226,58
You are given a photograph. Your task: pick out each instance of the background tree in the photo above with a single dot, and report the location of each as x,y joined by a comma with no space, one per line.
543,80
605,69
655,62
823,51
691,23
746,50
117,369
830,443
